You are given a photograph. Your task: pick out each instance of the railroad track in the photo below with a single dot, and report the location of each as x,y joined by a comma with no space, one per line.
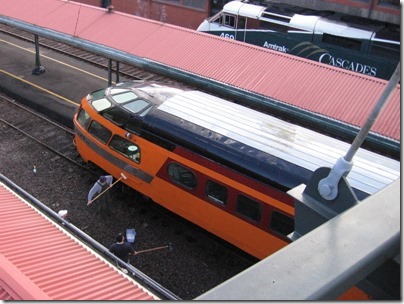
53,136
30,138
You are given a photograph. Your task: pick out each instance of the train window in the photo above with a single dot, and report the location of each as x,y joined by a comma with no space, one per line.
390,3
216,192
281,223
277,17
182,175
241,23
116,115
125,147
124,96
96,94
116,91
101,104
137,105
249,208
229,20
99,131
273,27
383,49
218,20
83,118
349,43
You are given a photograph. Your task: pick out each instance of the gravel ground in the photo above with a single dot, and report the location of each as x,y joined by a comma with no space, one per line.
198,261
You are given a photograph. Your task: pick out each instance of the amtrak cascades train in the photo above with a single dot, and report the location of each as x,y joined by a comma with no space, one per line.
353,43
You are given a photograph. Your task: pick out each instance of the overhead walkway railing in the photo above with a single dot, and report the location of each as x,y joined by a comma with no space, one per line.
252,99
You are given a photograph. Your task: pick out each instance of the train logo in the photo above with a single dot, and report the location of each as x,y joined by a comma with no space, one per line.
368,47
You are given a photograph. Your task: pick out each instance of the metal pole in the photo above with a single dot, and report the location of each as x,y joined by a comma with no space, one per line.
39,69
37,58
328,187
109,72
117,72
395,78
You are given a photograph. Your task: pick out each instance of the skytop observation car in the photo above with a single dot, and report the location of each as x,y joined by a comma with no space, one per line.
353,43
222,166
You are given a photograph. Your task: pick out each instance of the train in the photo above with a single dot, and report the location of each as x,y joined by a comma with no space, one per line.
349,42
220,165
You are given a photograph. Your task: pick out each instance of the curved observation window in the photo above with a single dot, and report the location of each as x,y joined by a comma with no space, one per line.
126,148
129,100
116,90
101,104
99,131
123,96
116,115
83,118
137,105
96,94
182,175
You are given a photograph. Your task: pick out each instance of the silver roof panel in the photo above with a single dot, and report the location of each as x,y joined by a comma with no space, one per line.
308,149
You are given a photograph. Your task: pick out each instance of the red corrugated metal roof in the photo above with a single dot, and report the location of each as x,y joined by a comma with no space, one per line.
41,261
333,92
